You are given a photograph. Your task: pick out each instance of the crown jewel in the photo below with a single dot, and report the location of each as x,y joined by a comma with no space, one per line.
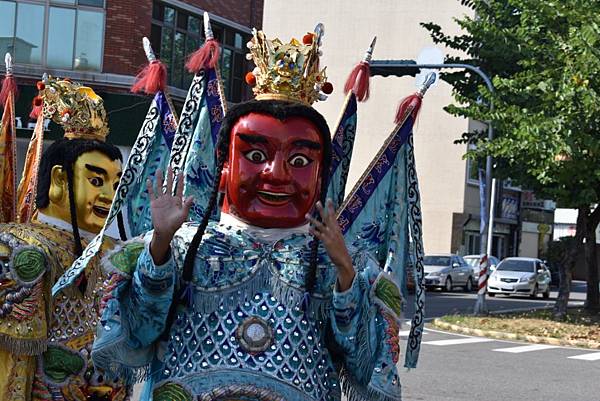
77,108
288,71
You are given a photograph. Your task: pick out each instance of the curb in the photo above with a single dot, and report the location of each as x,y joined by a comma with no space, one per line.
515,336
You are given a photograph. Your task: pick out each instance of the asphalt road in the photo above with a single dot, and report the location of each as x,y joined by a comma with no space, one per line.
439,303
462,368
455,367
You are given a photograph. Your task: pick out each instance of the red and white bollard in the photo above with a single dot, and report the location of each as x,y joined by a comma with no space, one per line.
483,276
480,307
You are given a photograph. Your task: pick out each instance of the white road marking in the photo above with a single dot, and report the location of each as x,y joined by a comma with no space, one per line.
525,348
468,340
594,356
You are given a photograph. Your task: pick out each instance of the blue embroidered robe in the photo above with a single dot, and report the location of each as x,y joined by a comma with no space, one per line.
236,278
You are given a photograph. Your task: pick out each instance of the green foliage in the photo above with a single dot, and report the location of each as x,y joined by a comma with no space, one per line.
544,60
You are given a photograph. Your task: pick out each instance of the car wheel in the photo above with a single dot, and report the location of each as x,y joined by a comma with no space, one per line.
469,285
448,284
534,293
491,294
546,293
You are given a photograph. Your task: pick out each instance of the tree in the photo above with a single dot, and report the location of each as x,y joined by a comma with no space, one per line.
545,63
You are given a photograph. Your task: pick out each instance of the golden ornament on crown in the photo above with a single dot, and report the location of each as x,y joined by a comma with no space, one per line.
288,71
77,108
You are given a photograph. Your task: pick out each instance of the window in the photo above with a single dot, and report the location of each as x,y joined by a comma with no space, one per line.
473,166
175,34
64,34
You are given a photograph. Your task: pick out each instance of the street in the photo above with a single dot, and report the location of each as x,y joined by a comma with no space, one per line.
458,367
443,303
455,367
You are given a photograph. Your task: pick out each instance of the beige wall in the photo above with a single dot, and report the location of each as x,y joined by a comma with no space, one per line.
349,28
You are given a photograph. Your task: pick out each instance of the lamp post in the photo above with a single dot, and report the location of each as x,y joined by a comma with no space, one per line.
410,67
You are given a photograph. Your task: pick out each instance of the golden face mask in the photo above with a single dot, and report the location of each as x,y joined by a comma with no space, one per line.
95,179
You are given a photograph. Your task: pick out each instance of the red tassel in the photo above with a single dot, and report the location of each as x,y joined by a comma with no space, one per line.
8,86
36,108
410,104
151,79
205,57
358,81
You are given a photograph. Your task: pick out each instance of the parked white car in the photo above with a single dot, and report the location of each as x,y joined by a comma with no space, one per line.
473,261
447,271
521,276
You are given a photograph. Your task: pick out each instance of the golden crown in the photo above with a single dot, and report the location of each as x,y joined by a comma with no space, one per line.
77,108
288,71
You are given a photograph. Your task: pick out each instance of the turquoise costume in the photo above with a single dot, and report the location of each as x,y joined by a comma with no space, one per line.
246,334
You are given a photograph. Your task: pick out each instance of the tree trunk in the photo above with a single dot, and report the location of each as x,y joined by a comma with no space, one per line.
564,291
567,266
591,258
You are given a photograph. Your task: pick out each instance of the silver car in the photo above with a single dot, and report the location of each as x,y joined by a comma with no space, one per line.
473,261
447,271
525,276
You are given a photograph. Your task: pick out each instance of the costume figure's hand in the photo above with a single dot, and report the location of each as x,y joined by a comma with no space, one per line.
169,212
328,232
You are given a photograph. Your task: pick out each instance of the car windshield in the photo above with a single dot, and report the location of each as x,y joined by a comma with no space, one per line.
472,261
436,260
515,265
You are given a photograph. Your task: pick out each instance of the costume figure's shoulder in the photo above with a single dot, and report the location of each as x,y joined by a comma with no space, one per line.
24,262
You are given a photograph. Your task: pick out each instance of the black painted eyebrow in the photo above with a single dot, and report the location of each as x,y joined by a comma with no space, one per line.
308,144
252,139
96,169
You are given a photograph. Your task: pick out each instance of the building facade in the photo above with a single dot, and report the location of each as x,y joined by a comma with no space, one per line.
99,43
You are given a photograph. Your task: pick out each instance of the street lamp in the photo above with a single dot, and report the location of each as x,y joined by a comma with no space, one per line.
410,67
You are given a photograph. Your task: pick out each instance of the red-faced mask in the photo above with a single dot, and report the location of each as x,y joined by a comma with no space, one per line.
272,176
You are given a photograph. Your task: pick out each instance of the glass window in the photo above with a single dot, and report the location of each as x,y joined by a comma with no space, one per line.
516,265
194,25
29,33
436,261
88,45
61,35
7,26
238,41
178,34
72,2
169,16
92,3
166,45
226,70
178,59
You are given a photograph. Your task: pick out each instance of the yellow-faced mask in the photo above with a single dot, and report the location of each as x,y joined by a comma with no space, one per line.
95,179
80,112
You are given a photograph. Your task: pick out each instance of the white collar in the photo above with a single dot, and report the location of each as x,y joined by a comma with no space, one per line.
59,223
265,235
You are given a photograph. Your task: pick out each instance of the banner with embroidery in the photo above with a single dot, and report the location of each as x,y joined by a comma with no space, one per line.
8,162
375,215
27,190
199,167
161,130
341,150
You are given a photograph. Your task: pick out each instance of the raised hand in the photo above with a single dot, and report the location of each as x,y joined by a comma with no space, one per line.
328,232
169,212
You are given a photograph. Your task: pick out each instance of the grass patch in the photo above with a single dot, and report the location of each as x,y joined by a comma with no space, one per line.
579,324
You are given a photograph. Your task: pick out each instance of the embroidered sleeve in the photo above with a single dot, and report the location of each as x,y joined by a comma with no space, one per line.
365,323
136,305
346,307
